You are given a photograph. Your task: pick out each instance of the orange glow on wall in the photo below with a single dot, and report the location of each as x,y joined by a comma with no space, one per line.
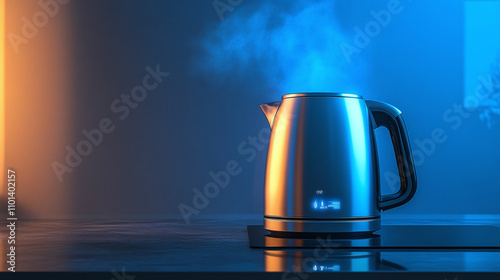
2,118
38,105
2,94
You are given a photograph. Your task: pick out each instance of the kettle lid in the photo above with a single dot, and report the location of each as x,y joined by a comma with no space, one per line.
322,94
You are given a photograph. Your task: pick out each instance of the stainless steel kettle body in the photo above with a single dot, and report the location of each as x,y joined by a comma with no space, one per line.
322,172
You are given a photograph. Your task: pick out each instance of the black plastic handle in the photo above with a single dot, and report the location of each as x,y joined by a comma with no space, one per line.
390,117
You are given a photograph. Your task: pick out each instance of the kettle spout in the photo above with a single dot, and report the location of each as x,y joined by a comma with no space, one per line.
270,110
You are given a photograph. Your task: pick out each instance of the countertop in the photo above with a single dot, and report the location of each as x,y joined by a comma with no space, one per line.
218,244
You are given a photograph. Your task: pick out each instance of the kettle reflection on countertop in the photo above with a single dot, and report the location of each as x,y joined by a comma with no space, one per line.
325,253
301,261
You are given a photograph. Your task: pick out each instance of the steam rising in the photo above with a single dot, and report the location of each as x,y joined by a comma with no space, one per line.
294,44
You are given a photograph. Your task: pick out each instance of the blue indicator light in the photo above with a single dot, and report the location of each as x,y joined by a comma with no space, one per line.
325,205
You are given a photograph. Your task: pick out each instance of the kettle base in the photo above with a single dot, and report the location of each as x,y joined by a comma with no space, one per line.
361,225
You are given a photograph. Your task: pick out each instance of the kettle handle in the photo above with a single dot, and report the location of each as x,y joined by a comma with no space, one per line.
390,117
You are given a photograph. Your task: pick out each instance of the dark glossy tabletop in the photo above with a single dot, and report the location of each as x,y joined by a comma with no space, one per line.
216,244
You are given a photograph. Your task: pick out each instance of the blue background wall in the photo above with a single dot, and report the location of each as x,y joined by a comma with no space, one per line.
209,105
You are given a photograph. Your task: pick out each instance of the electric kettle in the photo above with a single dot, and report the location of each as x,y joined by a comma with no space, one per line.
322,171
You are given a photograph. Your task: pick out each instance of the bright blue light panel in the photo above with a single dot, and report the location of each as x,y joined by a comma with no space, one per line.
482,48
